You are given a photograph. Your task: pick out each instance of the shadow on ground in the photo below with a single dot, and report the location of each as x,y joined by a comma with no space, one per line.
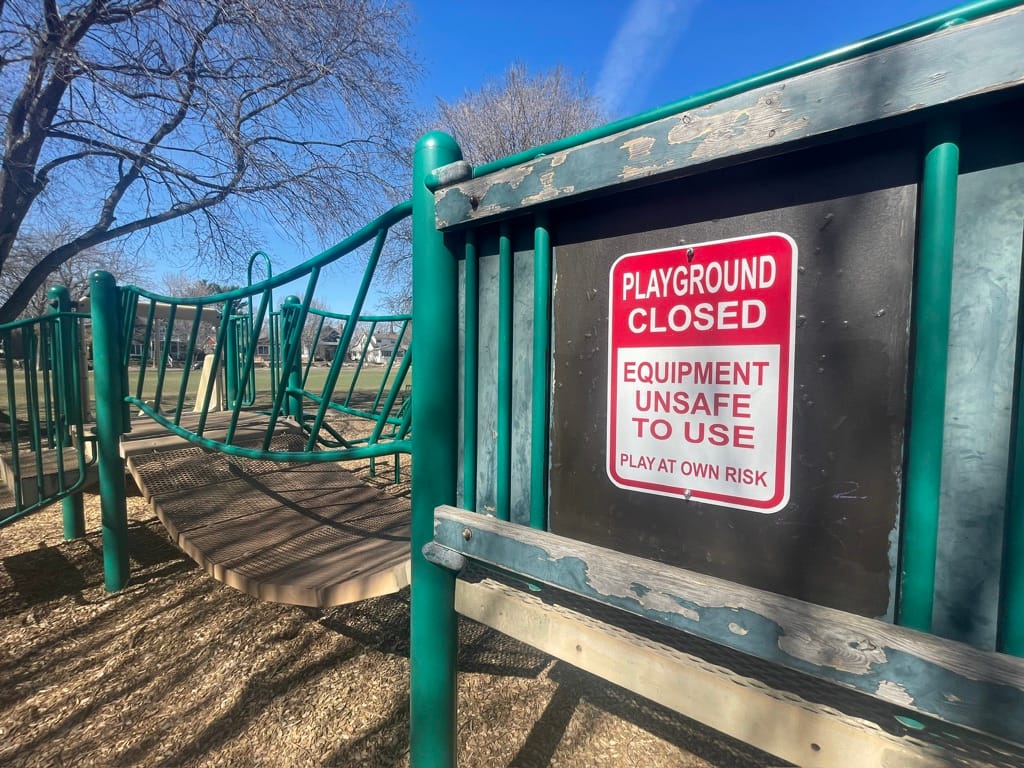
178,669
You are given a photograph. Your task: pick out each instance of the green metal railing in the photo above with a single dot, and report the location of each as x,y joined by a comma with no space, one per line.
246,335
44,441
163,334
148,348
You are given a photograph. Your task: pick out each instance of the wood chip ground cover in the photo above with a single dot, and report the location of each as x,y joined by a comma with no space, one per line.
179,670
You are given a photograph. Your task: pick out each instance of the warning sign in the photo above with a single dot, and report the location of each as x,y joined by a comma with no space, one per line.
700,371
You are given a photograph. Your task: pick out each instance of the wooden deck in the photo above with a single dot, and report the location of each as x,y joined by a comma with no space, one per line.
303,534
43,474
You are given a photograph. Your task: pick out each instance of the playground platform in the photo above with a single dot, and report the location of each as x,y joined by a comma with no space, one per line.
310,534
40,476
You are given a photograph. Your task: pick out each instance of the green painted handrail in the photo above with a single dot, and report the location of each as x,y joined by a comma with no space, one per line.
235,338
44,412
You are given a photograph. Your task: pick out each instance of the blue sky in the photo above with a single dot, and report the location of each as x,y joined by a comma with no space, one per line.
635,54
640,54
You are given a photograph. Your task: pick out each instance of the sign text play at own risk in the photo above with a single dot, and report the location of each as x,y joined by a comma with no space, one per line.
700,371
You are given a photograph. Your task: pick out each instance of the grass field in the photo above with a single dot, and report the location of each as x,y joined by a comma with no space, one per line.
368,384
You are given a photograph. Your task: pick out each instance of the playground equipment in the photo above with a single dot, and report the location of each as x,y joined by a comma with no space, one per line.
293,426
45,442
740,401
184,405
738,421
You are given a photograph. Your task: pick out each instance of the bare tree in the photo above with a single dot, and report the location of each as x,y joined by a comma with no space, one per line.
73,274
128,114
180,285
523,111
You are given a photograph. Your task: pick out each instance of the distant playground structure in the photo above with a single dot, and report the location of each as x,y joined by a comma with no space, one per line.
721,403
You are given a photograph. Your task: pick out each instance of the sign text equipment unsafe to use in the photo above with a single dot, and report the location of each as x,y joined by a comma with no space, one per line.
700,371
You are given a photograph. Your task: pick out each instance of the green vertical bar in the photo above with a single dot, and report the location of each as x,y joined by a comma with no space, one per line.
541,356
434,639
109,381
164,358
471,374
359,365
73,510
503,502
293,357
385,414
73,506
932,291
274,350
1010,628
193,335
231,361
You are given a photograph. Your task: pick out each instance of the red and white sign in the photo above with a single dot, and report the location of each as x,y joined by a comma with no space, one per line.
700,371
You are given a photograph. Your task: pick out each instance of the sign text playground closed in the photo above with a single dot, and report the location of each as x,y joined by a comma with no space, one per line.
700,371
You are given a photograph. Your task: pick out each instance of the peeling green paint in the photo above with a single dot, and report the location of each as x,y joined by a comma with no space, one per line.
975,689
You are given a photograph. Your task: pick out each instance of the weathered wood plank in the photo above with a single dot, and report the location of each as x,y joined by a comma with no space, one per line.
981,57
301,534
779,722
940,678
49,477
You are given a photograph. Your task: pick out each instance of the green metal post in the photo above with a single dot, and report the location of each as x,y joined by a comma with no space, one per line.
73,506
932,291
434,637
506,278
73,509
541,356
290,334
109,382
471,357
231,363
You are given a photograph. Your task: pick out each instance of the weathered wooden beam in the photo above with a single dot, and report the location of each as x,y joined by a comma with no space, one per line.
940,678
981,57
793,728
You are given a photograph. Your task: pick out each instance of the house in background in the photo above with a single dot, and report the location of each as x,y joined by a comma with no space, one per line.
366,348
391,346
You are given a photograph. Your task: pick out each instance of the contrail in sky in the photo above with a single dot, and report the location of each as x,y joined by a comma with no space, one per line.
641,48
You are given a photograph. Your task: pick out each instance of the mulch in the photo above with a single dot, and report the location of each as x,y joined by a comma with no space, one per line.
180,670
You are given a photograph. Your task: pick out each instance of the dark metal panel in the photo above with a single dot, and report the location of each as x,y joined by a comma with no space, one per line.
522,368
487,383
979,401
853,222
